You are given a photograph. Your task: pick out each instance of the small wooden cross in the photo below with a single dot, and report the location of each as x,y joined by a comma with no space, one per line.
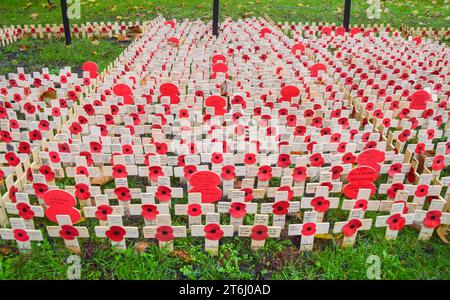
194,209
431,219
116,232
259,231
237,209
149,210
20,234
362,202
320,203
395,221
280,208
23,208
350,228
102,210
164,232
68,232
212,232
308,229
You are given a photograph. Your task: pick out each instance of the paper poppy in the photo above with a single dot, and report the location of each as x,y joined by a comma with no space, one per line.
189,170
154,172
82,170
116,233
213,232
12,193
237,210
228,172
54,157
421,191
404,135
396,222
25,211
290,192
88,157
217,158
259,233
163,193
308,229
21,235
264,173
5,136
12,159
119,171
438,163
161,148
284,160
394,169
249,158
281,207
164,233
95,147
149,212
320,204
68,232
248,194
75,128
63,148
123,193
420,148
82,191
40,189
361,203
392,191
103,211
299,130
336,172
194,210
47,172
432,219
299,174
316,160
351,227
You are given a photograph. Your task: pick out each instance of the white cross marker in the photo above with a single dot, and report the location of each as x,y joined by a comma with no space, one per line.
68,232
308,229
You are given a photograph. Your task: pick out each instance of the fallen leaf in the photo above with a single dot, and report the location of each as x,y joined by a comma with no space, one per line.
95,42
141,246
34,16
183,255
23,48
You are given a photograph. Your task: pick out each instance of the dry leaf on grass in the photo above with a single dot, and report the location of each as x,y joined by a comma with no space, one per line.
181,254
141,246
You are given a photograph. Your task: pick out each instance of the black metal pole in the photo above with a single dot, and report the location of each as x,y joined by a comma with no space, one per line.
348,4
66,23
216,18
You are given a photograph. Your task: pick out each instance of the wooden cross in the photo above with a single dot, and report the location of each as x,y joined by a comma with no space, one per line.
149,210
116,232
259,231
431,219
20,234
163,192
212,232
164,232
194,209
280,208
350,228
400,197
308,229
23,208
362,202
395,221
320,203
102,210
68,232
237,209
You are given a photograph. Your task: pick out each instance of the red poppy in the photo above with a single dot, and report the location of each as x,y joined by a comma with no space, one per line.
82,191
88,157
47,172
149,212
396,222
68,232
316,160
82,170
421,191
404,135
64,148
95,147
44,125
308,229
75,128
438,163
248,194
189,170
392,191
5,136
12,159
164,233
420,148
351,227
289,191
21,235
155,172
299,174
119,171
40,189
194,210
259,233
161,148
281,207
216,158
103,211
432,219
249,158
116,233
264,173
299,130
336,172
361,203
394,169
284,160
320,204
228,172
54,157
163,193
213,232
123,193
25,211
237,210
12,193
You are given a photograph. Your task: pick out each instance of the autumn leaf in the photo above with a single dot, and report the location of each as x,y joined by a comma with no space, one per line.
23,48
95,42
34,16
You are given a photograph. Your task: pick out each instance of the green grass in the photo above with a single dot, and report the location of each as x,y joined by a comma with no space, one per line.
35,54
405,258
398,12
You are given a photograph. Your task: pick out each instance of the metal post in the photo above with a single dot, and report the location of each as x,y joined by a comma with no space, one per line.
348,4
66,23
216,18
